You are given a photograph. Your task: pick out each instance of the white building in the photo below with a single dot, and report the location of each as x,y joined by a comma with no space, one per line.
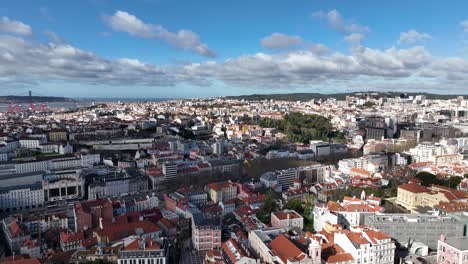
287,219
367,245
144,251
31,143
21,197
321,216
345,165
170,171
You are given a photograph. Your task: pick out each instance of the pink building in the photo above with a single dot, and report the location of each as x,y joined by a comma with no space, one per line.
452,250
287,219
206,233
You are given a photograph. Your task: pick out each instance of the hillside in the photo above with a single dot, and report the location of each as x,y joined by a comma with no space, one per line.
339,96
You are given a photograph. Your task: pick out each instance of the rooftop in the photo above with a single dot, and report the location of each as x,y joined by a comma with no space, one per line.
460,243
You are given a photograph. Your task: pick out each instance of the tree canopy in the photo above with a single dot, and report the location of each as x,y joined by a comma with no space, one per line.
428,179
303,128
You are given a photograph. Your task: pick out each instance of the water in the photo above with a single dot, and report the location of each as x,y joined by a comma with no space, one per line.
82,103
68,105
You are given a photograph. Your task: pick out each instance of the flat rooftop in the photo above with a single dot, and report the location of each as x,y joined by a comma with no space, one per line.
460,243
409,218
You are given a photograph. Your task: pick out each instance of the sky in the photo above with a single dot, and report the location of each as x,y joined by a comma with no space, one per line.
181,49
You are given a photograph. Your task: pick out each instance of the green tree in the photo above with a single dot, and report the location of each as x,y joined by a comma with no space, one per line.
269,206
303,128
295,205
428,179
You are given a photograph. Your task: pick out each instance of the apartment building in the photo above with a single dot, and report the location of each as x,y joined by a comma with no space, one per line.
223,191
366,245
15,233
287,219
452,250
413,195
206,233
145,251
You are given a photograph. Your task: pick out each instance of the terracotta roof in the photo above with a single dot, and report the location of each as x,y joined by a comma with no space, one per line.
361,171
220,185
20,260
453,206
143,244
282,215
116,231
233,251
376,235
357,238
285,249
414,188
340,258
68,237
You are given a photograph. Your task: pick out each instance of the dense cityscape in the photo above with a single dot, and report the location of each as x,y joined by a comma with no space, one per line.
372,178
233,132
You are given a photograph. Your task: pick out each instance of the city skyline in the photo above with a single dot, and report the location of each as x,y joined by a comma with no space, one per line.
176,49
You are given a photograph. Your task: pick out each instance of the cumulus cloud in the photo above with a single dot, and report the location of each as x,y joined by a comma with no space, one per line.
412,37
319,49
336,21
277,41
24,61
354,38
185,39
29,61
15,27
304,68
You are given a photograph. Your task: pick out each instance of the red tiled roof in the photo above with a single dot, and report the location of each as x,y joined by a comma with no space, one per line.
68,237
116,231
148,243
20,260
357,238
376,235
282,215
285,249
340,258
414,188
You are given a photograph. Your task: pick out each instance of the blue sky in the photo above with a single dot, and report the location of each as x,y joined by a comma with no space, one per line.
162,48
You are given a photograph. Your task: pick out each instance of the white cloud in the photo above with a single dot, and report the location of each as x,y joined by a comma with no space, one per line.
412,37
354,38
184,39
24,61
31,62
16,27
319,49
338,23
280,41
304,68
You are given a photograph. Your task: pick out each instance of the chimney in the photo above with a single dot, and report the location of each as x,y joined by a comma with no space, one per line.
442,237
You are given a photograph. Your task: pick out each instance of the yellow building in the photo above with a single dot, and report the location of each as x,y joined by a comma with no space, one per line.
413,195
57,135
220,192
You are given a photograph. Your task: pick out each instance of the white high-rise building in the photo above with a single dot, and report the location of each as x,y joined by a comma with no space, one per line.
170,170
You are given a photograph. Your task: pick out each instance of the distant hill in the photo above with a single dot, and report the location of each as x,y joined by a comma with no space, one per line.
36,99
339,96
